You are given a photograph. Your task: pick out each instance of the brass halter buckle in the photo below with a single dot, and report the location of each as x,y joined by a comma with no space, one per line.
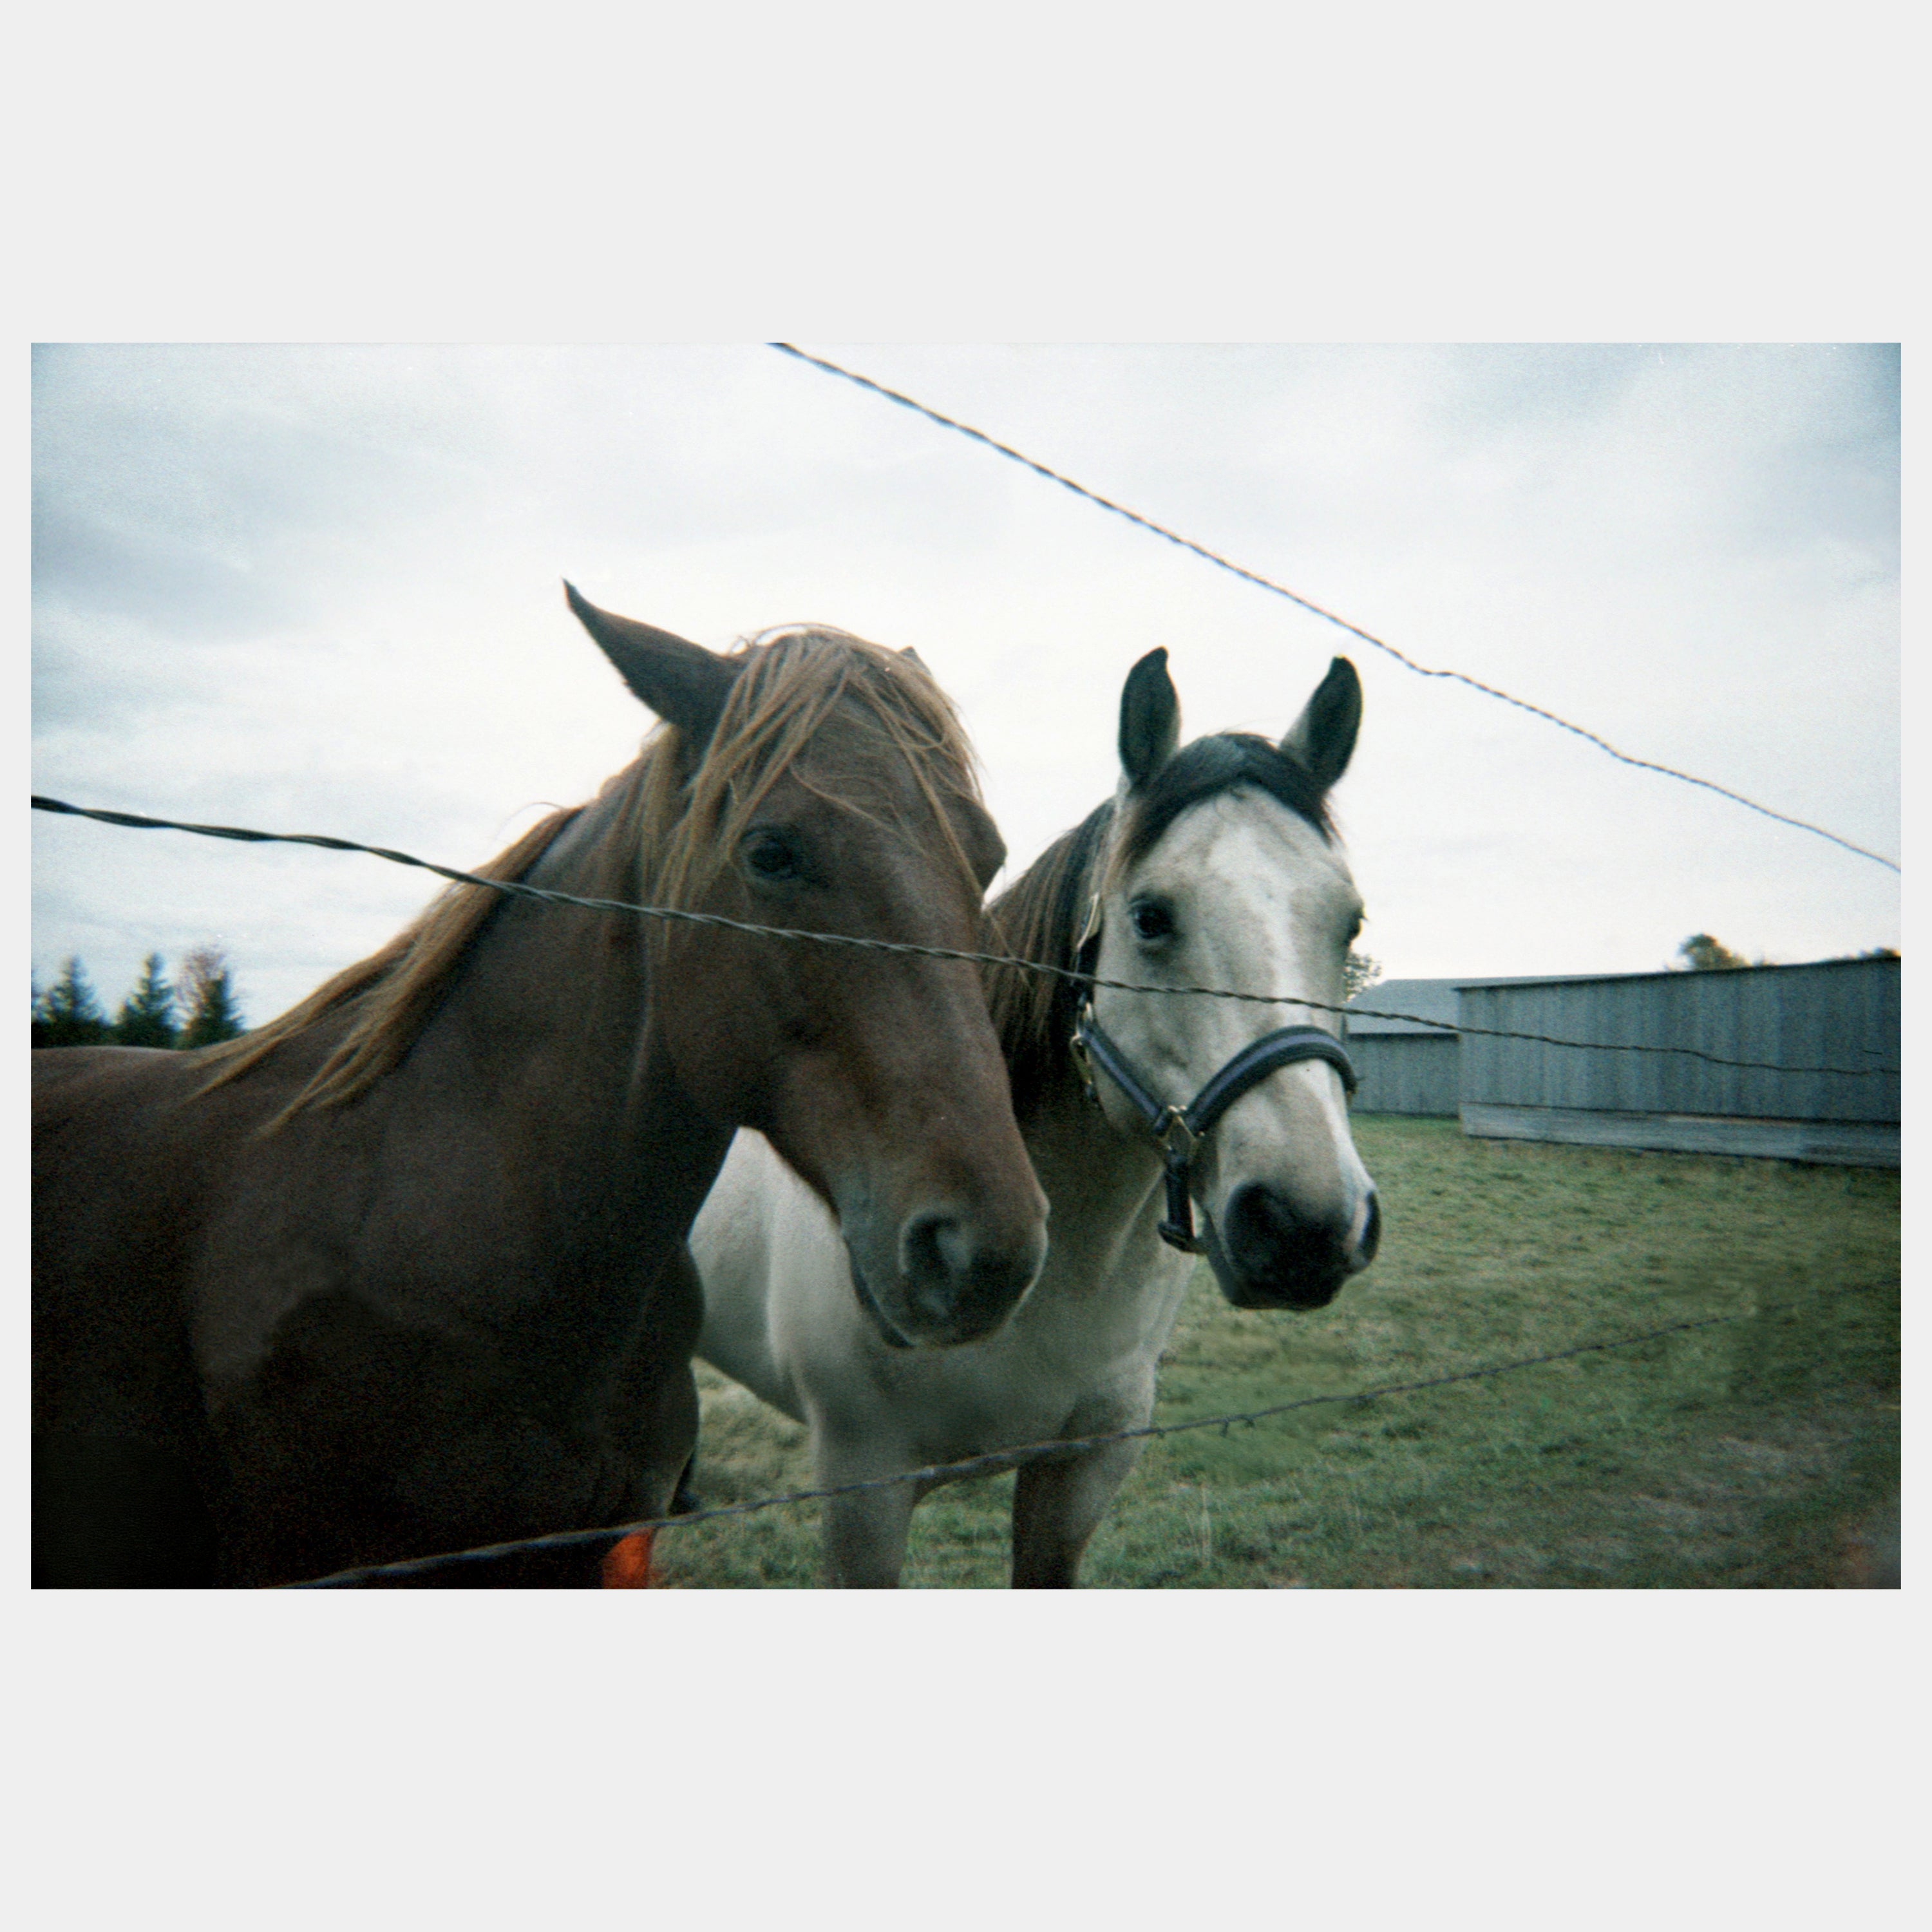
1083,1061
1176,1139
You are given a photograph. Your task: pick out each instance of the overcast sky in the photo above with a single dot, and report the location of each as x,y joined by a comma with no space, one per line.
316,589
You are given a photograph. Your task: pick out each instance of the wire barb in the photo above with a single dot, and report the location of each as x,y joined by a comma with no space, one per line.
1328,616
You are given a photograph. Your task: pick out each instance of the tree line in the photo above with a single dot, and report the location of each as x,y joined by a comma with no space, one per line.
1702,953
198,1009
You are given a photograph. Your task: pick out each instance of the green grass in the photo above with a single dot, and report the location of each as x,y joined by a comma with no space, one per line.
1761,1452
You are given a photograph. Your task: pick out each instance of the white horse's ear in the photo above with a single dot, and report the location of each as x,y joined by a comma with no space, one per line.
914,657
1149,719
685,684
1322,739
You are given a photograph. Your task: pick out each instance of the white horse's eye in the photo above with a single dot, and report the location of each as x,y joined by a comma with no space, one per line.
1150,919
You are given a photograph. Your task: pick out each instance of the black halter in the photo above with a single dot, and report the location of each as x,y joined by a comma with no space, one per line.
1179,1131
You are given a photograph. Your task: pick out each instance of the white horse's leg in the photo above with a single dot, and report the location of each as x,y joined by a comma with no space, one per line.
1057,1505
865,1536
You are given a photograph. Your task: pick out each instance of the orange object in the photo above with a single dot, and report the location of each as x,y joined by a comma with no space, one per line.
627,1565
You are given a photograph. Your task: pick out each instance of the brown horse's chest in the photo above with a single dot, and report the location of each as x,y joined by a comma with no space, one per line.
427,1348
392,1432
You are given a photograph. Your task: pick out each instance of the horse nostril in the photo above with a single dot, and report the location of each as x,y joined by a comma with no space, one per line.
1284,1258
960,1284
1260,1223
933,1250
1372,1231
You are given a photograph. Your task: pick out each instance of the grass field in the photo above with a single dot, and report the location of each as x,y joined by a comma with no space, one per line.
1761,1452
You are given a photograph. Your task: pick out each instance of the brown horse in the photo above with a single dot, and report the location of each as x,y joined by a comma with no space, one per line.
405,1271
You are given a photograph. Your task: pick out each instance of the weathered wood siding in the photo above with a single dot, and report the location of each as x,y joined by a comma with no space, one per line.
1405,1073
1843,1014
1826,1143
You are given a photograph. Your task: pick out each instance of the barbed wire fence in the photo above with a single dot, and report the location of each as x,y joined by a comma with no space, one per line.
1012,1457
516,888
996,1462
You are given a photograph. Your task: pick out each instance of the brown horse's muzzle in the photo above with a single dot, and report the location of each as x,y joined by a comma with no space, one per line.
943,1275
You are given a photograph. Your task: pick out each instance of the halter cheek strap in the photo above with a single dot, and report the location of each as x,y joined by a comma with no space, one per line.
1179,1131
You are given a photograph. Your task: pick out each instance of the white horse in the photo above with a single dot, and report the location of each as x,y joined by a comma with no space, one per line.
1215,865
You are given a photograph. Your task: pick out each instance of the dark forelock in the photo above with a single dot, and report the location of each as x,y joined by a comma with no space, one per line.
1208,767
1041,915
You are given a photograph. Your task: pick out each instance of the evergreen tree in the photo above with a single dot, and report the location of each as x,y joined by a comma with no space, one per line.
198,965
69,1012
147,1015
1359,972
208,992
39,1018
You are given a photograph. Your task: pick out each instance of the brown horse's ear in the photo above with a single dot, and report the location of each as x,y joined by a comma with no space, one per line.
685,684
1322,739
1150,719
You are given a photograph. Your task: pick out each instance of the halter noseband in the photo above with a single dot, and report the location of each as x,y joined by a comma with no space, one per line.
1179,1131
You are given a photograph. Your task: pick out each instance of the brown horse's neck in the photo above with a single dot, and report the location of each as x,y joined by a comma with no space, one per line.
541,1098
557,984
551,1015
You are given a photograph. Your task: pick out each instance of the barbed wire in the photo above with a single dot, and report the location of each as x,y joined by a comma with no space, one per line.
1328,616
516,888
998,1460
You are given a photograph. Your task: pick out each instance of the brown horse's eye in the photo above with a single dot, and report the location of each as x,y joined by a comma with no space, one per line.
772,856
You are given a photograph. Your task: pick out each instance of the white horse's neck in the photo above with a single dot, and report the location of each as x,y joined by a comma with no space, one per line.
1104,1186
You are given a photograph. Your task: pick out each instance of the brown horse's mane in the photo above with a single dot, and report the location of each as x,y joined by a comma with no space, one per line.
1043,916
670,831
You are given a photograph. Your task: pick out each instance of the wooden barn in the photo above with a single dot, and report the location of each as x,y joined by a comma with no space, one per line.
1837,1014
1404,1068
